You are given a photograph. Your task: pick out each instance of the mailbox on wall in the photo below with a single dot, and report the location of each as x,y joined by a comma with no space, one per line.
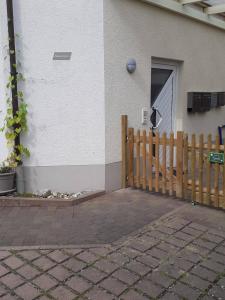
221,99
199,102
204,101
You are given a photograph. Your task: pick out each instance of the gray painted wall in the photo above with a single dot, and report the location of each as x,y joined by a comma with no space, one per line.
72,178
133,29
64,178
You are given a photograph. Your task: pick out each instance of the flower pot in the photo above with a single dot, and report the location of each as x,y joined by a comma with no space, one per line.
7,183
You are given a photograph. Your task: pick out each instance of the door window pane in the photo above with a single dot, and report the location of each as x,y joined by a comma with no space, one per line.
158,80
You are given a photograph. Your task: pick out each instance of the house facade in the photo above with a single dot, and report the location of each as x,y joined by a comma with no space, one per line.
74,57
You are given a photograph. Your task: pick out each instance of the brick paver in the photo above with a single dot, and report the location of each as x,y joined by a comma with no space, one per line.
3,270
106,266
62,292
29,254
93,275
60,273
4,254
11,280
28,272
133,295
45,282
27,291
149,288
126,276
13,262
97,293
43,263
113,285
173,258
79,284
74,264
185,292
58,256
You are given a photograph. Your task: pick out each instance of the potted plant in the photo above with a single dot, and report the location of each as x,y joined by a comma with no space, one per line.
7,179
14,125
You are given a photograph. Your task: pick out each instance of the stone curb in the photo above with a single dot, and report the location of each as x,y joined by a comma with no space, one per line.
45,202
53,247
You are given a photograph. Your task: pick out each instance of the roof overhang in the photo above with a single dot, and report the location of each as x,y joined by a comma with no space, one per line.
186,8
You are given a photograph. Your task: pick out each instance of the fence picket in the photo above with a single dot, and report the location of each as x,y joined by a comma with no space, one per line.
138,142
157,162
208,172
144,160
124,152
179,165
193,163
150,160
151,167
171,164
185,166
164,163
216,177
200,173
131,156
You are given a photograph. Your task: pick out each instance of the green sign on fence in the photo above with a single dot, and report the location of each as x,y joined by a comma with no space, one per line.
216,158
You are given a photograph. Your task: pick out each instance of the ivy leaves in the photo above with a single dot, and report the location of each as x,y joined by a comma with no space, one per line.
15,123
13,126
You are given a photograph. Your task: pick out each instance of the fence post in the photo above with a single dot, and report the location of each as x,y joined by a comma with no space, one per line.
124,151
179,165
185,171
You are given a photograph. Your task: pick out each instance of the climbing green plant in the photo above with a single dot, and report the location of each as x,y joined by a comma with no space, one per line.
15,124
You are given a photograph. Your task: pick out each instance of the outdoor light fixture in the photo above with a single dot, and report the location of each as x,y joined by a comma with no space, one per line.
62,55
131,65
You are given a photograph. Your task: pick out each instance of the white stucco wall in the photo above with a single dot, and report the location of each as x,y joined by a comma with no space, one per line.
65,98
75,106
133,29
4,68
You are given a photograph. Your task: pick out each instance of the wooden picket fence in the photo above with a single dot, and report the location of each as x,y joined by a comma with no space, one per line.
177,166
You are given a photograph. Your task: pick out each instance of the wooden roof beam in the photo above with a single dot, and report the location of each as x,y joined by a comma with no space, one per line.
188,11
189,1
215,9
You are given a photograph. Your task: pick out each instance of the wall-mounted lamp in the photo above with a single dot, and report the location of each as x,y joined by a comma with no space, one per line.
131,65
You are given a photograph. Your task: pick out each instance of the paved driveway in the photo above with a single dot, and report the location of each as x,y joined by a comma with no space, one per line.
178,256
102,220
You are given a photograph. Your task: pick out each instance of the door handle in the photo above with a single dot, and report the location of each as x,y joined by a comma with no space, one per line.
160,118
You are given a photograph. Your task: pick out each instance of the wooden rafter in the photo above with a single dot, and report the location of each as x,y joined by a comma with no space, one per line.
215,9
181,7
189,1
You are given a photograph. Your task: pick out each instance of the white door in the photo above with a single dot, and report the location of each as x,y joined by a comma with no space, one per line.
163,83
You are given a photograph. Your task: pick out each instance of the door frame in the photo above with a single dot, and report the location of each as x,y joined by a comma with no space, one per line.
160,64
